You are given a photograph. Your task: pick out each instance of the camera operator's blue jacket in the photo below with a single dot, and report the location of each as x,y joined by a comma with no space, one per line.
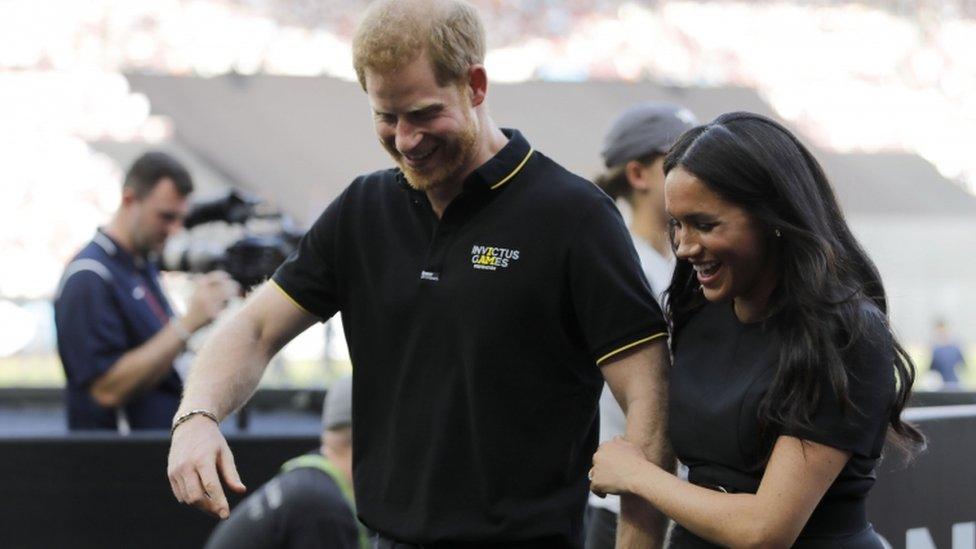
108,303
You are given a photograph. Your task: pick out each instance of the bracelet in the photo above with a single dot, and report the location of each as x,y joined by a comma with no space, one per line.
182,419
181,331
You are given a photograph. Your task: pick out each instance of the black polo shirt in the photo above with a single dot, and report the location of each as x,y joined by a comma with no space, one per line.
475,340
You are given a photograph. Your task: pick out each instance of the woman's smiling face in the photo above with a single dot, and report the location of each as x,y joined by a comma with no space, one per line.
723,242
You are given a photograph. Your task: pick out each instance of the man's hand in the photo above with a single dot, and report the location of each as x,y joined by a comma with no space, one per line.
197,454
210,296
226,371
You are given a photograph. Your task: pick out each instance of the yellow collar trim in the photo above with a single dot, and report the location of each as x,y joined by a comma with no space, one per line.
515,171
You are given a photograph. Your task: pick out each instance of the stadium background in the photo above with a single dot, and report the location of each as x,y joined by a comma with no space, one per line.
260,95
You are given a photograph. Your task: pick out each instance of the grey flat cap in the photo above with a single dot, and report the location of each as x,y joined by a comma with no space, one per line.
337,410
643,129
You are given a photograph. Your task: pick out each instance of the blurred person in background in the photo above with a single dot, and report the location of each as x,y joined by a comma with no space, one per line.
485,292
117,335
947,357
310,503
633,152
786,376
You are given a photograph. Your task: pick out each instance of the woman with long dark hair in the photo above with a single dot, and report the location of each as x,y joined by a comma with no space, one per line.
786,376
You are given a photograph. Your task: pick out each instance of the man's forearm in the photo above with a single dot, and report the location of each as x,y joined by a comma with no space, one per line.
139,369
641,525
227,369
639,382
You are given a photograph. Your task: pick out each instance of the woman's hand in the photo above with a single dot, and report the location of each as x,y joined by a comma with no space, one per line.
616,464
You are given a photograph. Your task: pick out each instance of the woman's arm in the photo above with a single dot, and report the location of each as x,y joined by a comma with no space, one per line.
796,478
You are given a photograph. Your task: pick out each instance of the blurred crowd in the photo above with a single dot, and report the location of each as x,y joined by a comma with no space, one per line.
854,76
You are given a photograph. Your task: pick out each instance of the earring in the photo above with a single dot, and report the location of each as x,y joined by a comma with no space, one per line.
777,233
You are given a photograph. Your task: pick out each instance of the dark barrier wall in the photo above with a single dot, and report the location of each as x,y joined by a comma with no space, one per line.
110,492
311,399
107,492
263,399
942,398
932,503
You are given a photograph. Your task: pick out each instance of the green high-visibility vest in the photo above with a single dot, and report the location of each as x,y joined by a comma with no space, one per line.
318,461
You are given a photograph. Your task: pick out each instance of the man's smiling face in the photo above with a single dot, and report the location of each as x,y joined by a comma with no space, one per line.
430,130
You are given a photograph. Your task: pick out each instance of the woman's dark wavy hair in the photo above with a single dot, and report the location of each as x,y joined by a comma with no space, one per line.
825,276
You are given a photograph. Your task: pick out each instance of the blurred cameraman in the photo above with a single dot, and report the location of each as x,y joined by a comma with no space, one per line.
117,334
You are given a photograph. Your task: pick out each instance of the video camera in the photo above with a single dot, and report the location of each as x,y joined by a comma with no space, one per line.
236,232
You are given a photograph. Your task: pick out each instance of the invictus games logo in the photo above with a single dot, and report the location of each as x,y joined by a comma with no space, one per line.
492,258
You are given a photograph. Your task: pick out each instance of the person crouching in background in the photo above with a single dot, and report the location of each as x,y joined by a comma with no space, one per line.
310,503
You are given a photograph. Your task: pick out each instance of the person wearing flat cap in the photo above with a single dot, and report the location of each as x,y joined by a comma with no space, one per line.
633,153
310,503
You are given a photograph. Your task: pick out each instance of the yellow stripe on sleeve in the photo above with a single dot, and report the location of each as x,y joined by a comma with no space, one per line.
629,346
290,298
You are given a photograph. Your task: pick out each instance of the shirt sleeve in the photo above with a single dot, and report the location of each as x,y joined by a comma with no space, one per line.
871,388
254,523
90,328
322,527
611,296
298,510
309,276
316,515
